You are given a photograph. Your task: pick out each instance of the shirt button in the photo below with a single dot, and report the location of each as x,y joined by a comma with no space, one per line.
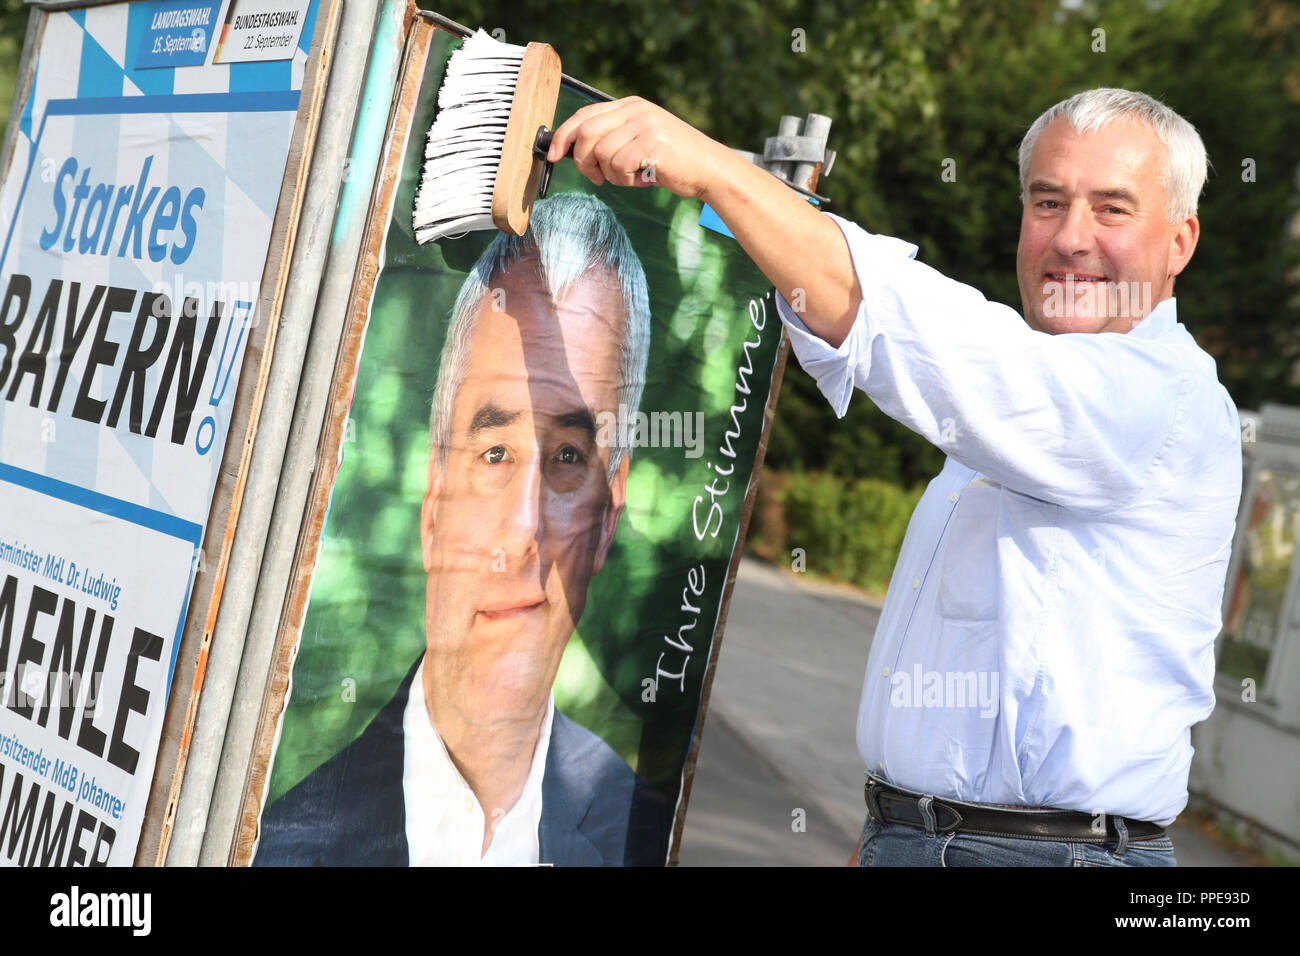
954,496
852,362
886,671
916,583
469,803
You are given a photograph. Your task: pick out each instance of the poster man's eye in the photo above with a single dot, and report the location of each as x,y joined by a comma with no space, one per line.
495,455
568,455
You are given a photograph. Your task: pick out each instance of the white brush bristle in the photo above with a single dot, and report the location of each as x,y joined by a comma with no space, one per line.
463,150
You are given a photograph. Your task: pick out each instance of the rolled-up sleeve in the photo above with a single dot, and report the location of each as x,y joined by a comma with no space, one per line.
1077,418
835,369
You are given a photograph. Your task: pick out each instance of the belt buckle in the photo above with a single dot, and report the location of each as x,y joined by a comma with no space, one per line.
873,787
957,818
871,793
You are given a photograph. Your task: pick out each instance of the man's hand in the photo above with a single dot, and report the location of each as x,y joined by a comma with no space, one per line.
633,142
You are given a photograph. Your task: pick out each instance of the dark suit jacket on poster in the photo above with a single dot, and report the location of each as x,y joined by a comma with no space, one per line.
351,811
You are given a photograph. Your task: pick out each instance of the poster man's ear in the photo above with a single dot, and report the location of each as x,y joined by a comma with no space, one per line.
429,509
609,524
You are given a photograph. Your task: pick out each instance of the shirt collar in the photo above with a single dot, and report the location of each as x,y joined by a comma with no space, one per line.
1160,320
433,785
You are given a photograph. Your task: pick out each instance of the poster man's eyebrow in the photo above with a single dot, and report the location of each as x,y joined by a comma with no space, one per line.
578,418
490,416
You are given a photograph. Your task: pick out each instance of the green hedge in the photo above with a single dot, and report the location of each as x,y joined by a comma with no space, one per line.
848,529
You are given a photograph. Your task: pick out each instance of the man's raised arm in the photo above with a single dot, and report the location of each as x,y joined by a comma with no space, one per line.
632,142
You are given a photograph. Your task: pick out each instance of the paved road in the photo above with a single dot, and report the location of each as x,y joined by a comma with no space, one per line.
779,779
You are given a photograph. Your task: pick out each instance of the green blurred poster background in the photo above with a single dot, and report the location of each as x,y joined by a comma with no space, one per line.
365,620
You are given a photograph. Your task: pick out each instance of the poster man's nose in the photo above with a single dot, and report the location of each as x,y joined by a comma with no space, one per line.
522,522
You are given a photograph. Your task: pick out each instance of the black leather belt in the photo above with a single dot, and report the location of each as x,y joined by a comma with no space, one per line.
889,804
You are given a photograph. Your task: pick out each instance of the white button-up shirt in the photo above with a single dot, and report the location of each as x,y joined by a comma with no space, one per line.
444,822
1053,639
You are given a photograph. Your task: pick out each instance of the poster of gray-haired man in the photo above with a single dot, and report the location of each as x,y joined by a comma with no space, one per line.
529,500
470,761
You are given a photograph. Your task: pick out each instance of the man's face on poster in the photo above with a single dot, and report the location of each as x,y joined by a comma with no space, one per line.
524,511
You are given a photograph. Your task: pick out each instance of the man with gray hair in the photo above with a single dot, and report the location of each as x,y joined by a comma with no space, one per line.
470,763
1047,641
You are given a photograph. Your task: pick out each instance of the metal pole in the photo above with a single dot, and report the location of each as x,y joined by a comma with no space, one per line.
789,126
204,817
815,127
305,430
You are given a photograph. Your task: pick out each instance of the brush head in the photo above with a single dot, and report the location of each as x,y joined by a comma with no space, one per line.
479,170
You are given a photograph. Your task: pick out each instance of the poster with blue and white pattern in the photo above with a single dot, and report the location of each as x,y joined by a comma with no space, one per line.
135,217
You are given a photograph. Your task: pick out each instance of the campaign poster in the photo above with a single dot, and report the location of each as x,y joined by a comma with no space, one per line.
135,217
539,493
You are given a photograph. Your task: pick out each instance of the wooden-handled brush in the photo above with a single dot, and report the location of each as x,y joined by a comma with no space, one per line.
486,150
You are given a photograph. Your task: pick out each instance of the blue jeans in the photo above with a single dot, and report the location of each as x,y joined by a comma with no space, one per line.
897,844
